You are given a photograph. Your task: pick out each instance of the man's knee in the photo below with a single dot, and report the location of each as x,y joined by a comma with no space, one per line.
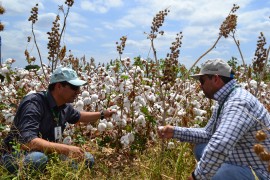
36,160
233,172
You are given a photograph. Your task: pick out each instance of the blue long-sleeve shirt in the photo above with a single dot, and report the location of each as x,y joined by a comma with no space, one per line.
35,117
241,116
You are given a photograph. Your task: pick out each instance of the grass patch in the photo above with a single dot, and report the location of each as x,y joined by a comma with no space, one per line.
153,163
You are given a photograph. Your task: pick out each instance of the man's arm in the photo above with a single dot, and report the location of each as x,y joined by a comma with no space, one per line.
39,144
92,117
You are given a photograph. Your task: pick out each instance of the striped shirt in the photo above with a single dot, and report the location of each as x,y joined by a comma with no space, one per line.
241,116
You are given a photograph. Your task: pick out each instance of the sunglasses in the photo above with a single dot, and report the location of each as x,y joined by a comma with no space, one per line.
74,88
202,81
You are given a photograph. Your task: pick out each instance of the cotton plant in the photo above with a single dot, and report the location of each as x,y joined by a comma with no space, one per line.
199,112
9,116
170,145
102,126
140,121
196,103
67,140
127,139
79,105
127,104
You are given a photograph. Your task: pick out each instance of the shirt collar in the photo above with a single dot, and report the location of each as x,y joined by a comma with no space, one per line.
221,94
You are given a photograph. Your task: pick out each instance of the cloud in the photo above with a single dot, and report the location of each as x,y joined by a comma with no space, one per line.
20,6
101,6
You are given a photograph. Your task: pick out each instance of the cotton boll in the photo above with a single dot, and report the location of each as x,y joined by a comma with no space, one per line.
79,105
101,127
160,128
127,103
199,112
141,121
4,71
171,111
121,123
94,98
103,94
131,137
171,145
253,83
181,112
10,119
152,97
89,127
169,120
196,104
110,125
199,118
116,117
196,126
103,121
67,140
10,61
124,140
85,94
87,100
7,129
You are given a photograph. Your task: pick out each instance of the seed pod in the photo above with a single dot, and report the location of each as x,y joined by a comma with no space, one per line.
265,156
261,136
258,148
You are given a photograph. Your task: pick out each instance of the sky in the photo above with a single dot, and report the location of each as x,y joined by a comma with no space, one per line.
94,27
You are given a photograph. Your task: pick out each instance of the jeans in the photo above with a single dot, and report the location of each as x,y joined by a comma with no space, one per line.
36,160
227,171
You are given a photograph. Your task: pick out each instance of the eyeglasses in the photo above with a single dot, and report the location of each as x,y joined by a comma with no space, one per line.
202,81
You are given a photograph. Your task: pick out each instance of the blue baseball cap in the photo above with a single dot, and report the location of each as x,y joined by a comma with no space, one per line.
61,74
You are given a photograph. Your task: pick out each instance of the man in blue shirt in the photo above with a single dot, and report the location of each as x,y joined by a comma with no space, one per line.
224,147
41,119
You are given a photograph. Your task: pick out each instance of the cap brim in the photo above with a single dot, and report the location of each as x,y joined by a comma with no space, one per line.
77,82
196,76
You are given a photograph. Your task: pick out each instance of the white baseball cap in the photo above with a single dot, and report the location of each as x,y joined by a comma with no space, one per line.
215,66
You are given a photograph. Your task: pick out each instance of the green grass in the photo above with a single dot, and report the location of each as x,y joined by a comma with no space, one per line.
153,163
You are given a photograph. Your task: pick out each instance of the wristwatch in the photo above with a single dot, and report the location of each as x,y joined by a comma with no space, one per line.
101,115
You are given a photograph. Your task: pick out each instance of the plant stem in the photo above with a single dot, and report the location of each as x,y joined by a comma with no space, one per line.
39,54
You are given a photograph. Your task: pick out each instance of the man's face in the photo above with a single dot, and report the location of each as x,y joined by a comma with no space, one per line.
208,85
69,92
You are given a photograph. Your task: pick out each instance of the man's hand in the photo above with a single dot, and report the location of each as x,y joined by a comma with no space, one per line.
108,113
76,153
190,178
165,131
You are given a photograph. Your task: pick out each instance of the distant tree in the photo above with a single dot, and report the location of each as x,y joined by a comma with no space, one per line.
233,62
28,67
